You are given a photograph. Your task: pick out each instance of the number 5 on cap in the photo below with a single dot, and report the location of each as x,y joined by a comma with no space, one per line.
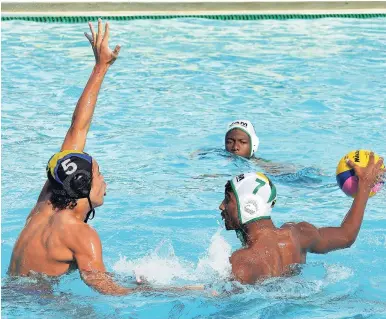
69,167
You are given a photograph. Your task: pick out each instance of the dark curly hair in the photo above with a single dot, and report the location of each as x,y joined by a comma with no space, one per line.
59,197
62,201
228,187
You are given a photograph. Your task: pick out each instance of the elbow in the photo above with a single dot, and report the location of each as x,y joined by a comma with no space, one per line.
78,124
349,237
349,242
78,128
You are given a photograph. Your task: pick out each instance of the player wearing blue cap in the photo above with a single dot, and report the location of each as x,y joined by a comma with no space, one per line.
56,237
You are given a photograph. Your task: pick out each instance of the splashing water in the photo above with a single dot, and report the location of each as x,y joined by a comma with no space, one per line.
216,262
162,266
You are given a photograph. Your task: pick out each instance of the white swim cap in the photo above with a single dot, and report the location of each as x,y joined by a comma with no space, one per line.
248,128
255,195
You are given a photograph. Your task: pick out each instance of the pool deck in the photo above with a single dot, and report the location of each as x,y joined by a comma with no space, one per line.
183,7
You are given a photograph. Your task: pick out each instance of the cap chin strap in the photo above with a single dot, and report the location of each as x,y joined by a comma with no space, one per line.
92,210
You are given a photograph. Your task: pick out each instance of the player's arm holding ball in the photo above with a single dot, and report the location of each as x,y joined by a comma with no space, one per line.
325,239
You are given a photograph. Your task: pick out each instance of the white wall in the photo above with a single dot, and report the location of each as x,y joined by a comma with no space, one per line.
160,1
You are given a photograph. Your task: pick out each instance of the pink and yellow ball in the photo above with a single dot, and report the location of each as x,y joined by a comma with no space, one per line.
345,175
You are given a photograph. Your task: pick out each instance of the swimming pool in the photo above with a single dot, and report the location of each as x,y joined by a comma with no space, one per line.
314,90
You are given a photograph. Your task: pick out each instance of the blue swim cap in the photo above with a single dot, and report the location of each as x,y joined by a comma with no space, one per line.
70,173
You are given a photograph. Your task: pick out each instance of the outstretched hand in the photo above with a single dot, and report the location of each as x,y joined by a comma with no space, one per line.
144,284
371,174
100,44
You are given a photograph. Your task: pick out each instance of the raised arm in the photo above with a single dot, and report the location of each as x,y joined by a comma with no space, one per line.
325,239
81,119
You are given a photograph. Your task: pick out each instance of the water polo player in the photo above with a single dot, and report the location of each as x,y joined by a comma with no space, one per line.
70,175
241,140
56,237
269,251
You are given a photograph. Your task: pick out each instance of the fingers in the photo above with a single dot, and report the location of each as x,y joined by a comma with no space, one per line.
140,280
379,163
117,48
89,37
116,51
371,159
380,177
99,35
105,40
99,42
350,163
92,33
114,54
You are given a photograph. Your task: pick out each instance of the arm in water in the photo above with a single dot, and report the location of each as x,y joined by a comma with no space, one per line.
87,247
326,239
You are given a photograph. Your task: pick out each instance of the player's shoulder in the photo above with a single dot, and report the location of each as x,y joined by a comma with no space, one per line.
245,256
300,228
240,254
73,228
247,267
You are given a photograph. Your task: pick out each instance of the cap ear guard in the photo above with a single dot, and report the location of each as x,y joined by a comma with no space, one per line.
255,195
70,176
81,184
254,143
70,173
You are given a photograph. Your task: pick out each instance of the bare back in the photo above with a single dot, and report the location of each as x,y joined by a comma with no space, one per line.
270,256
41,247
55,240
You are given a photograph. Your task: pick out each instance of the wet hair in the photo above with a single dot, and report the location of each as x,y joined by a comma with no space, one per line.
61,200
70,175
228,187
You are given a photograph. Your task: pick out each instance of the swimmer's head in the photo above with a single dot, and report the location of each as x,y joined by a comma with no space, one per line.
241,138
75,175
248,197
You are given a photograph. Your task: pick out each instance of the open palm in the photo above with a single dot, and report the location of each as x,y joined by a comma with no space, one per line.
100,44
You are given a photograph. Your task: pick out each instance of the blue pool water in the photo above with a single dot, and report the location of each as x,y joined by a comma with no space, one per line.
315,90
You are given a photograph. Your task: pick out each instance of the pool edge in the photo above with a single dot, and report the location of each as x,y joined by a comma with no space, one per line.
140,8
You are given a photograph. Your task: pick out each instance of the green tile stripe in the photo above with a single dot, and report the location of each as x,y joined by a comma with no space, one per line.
82,19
